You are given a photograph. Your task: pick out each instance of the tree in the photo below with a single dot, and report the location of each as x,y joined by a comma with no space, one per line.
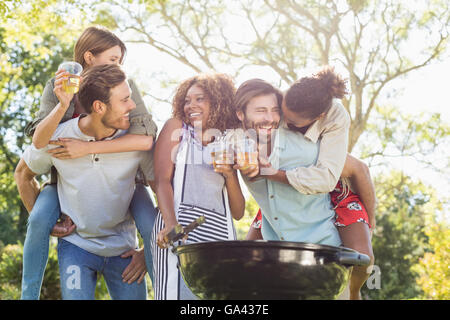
400,239
375,42
433,267
11,274
31,48
243,225
392,134
371,42
407,208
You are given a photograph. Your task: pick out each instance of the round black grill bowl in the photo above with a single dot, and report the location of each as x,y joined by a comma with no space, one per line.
266,270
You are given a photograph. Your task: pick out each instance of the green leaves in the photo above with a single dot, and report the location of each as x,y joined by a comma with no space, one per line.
394,134
34,39
399,240
433,268
243,225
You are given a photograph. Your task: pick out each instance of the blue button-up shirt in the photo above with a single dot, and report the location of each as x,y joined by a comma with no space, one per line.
287,214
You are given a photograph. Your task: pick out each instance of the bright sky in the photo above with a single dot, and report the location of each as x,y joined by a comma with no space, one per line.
423,90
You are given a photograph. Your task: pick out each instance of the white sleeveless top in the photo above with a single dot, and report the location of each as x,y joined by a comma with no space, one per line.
198,190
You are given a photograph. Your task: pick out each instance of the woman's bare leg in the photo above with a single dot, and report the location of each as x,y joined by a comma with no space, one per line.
254,234
357,237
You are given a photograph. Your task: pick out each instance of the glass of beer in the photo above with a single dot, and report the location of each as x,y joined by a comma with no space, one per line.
222,153
246,153
72,84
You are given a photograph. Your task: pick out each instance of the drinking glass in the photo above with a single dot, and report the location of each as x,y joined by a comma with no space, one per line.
246,153
72,84
222,153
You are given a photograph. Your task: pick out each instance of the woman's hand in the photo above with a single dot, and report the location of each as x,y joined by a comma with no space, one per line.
161,237
225,169
63,96
69,148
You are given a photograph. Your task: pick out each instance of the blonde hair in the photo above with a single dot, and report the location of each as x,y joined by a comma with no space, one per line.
96,40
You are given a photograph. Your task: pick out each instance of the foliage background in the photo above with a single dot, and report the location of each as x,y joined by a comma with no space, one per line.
375,44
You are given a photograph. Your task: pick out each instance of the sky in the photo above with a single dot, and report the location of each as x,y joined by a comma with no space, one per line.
423,90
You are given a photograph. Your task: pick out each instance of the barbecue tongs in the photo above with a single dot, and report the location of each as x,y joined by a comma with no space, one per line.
179,232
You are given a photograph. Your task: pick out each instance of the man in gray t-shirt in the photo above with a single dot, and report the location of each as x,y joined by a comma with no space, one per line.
95,191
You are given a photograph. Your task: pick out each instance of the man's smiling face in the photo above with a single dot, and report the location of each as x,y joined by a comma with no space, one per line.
262,114
118,109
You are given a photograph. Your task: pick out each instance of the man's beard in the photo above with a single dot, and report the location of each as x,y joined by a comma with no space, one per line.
255,131
113,124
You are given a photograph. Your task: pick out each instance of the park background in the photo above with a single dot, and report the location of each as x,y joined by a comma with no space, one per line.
394,54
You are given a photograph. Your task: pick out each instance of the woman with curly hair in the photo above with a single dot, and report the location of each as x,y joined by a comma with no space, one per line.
187,185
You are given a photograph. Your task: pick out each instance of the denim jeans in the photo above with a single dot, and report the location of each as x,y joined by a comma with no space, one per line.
43,217
79,271
144,214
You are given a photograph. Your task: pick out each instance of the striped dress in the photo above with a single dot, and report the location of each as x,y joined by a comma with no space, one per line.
198,190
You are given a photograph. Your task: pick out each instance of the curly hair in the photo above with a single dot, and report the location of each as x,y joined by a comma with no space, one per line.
220,90
311,96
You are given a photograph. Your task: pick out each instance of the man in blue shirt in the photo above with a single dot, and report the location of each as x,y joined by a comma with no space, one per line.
287,214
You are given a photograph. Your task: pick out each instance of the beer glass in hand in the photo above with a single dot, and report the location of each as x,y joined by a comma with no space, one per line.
72,83
246,153
222,154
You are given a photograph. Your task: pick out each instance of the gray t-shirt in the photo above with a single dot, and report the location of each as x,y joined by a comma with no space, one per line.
95,191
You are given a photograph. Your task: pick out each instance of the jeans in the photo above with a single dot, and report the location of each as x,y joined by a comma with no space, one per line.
144,214
43,217
79,270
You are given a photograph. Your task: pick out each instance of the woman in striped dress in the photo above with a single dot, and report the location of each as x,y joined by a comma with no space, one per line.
187,185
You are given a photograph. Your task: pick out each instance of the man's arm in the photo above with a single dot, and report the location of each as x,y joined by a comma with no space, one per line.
359,175
26,184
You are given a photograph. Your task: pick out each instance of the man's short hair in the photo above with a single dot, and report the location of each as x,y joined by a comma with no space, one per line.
254,88
97,84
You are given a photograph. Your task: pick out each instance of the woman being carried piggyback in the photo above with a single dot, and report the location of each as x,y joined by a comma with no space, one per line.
311,107
312,111
96,46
